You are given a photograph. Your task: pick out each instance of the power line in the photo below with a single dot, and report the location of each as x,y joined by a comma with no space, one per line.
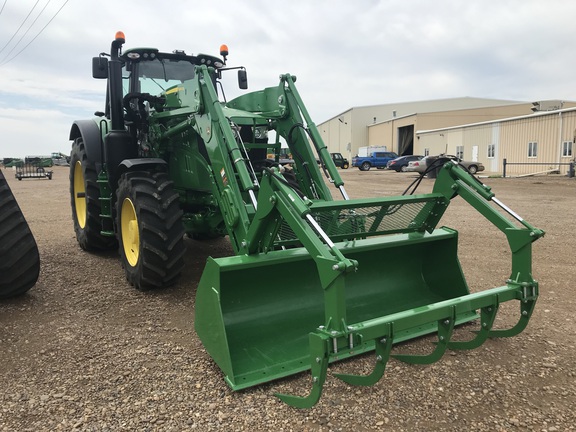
16,32
26,32
37,34
5,1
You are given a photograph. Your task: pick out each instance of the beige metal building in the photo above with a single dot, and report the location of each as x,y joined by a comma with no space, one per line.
536,143
395,125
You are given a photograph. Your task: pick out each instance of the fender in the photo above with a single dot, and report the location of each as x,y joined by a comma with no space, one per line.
131,164
142,164
92,137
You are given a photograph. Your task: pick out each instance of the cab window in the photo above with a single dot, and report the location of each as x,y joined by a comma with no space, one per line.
156,76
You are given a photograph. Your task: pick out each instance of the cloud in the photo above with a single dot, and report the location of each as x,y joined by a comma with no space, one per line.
33,132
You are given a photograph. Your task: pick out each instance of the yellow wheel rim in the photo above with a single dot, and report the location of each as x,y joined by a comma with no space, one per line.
79,195
129,230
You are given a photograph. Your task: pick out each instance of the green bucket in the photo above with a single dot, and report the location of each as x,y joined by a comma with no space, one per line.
254,313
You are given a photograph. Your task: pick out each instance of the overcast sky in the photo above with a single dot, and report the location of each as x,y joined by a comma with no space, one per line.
344,53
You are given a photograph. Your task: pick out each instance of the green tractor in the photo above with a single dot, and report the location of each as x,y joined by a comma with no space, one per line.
171,156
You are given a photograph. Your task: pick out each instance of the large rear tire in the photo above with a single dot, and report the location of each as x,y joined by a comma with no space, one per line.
85,201
149,229
19,257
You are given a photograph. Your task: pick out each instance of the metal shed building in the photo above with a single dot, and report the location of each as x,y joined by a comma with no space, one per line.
394,125
539,142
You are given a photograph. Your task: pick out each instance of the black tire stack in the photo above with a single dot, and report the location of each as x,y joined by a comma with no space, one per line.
19,257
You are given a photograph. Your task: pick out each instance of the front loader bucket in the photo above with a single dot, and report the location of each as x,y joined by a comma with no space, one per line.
371,273
254,313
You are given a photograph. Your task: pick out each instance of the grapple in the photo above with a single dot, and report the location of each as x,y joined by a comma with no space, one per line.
352,276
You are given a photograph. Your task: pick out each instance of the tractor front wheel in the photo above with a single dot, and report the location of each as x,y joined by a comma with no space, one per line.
85,201
149,229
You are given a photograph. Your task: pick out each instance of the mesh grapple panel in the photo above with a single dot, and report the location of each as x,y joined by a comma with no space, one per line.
347,220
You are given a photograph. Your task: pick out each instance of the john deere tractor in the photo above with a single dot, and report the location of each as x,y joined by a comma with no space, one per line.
170,156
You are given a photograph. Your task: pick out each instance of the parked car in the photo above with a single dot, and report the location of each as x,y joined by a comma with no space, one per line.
422,165
400,163
418,166
375,159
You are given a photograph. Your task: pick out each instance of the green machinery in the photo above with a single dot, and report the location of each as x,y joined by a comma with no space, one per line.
313,279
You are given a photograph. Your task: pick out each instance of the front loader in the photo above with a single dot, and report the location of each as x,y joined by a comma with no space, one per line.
171,156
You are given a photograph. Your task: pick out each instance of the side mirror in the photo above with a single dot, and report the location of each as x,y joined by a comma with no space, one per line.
242,79
99,67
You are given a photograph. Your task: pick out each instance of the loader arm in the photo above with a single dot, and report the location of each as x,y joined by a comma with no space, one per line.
227,162
234,182
453,180
289,117
299,144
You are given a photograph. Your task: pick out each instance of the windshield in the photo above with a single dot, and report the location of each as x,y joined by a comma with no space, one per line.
155,76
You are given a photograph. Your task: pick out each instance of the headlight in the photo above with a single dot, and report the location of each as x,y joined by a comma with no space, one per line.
261,132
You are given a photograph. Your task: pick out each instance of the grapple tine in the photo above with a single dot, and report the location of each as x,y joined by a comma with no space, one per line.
487,317
445,330
526,309
319,361
383,346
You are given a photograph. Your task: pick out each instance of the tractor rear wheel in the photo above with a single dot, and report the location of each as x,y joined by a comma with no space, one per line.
19,257
149,229
85,201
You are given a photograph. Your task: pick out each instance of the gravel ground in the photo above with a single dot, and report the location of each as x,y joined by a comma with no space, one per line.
83,350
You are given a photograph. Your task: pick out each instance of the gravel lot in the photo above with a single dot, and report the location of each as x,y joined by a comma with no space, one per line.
83,350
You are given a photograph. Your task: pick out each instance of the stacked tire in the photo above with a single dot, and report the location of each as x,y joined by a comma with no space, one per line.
19,257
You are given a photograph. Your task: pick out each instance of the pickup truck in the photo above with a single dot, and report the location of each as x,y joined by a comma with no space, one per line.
375,159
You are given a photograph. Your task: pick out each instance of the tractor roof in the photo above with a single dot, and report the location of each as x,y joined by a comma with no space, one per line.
147,54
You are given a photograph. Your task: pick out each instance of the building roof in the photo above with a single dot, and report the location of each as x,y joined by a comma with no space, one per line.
401,109
533,115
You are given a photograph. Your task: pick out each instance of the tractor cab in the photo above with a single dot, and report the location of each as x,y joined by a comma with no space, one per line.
154,72
147,70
